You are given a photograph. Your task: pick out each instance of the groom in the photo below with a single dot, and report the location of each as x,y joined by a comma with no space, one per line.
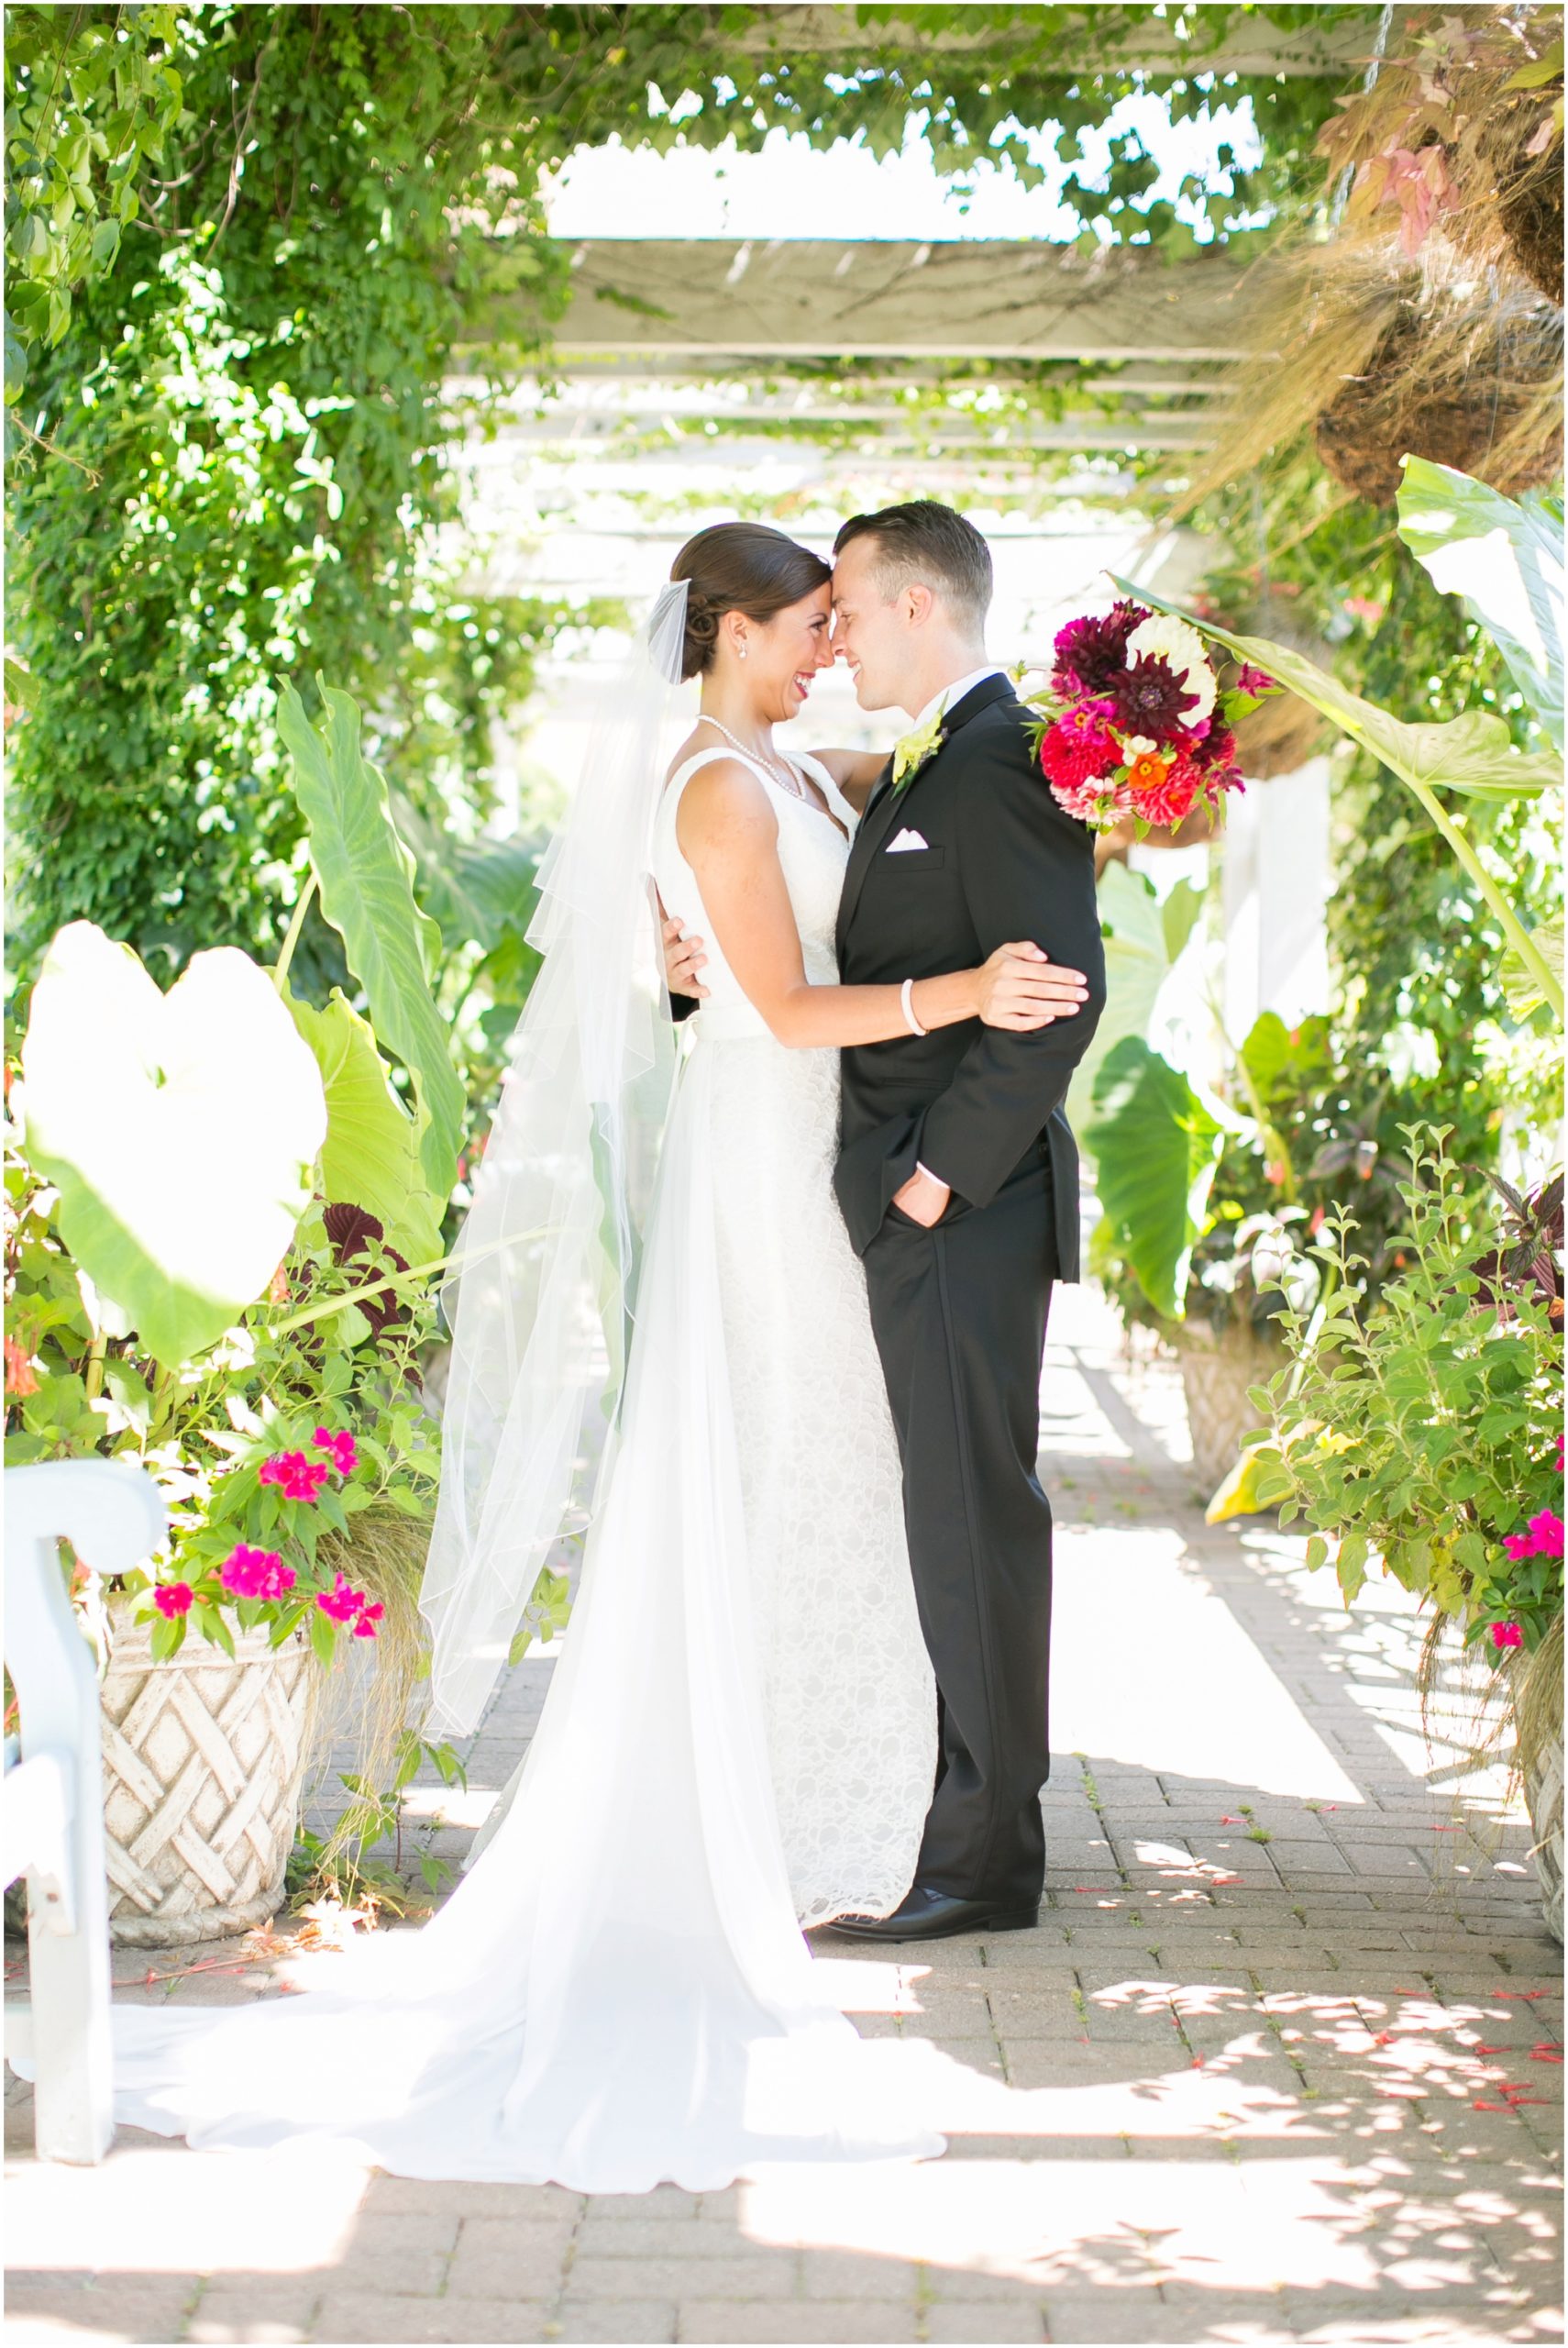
958,1182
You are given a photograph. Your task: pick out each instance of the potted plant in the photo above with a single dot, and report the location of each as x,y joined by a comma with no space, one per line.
1423,1435
222,1220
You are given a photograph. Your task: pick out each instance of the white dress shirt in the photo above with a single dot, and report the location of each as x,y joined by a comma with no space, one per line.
949,697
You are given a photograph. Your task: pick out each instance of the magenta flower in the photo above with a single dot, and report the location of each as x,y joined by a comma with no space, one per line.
1542,1537
1252,680
256,1573
339,1446
1507,1635
172,1598
366,1620
299,1479
341,1602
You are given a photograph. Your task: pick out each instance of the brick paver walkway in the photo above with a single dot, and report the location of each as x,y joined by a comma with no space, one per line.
1245,2083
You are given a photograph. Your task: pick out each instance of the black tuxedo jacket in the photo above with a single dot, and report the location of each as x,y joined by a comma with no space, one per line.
973,1104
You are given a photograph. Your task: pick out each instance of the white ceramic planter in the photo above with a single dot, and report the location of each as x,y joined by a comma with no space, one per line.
1216,1371
203,1760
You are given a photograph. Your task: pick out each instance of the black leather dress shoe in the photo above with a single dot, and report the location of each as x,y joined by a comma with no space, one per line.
924,1915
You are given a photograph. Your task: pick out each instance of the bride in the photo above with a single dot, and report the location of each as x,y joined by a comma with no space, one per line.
739,1738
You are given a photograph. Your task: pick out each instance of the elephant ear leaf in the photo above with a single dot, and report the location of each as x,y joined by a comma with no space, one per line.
370,1156
1156,1142
1142,938
181,1130
1503,558
366,877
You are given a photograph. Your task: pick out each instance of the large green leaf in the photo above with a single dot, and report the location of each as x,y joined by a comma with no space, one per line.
366,875
1472,753
478,891
1143,935
370,1156
1283,1062
1156,1142
1503,558
181,1129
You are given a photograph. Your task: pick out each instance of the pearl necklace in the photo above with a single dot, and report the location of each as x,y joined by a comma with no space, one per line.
783,776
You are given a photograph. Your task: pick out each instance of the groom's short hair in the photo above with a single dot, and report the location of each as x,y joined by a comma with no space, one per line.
929,545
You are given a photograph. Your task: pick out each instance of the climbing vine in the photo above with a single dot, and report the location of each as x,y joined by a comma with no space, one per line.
243,241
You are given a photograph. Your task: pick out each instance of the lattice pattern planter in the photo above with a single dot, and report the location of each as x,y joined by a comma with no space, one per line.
202,1761
1216,1371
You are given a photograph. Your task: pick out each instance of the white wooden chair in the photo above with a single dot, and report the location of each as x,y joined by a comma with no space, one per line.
51,1826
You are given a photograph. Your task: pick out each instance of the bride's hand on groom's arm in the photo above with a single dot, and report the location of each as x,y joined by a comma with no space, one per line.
1020,988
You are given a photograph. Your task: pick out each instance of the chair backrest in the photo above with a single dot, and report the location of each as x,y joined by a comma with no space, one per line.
114,1517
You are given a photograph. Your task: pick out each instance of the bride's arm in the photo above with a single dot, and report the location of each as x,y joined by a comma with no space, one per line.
855,772
729,835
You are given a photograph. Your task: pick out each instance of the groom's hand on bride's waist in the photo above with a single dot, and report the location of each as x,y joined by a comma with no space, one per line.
683,957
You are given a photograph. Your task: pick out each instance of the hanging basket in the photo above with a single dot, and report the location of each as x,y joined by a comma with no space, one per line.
1217,1368
1492,410
1528,189
202,1762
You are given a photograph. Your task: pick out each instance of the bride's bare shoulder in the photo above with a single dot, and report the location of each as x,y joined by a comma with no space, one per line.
724,806
699,738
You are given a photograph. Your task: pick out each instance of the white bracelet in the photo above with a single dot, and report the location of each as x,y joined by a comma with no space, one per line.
906,1002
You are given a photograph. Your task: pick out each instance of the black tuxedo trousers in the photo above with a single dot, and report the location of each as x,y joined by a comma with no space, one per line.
959,1316
959,1310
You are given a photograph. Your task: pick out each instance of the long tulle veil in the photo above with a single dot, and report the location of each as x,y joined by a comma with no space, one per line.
543,1287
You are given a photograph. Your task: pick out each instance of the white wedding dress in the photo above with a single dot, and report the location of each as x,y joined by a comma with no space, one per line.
740,1735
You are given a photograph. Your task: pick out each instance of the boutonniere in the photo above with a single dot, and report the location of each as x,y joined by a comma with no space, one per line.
912,751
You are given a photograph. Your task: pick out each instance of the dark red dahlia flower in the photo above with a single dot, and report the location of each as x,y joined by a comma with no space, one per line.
1150,698
1091,654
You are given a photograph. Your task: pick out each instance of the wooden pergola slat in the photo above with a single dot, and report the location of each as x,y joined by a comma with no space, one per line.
1092,38
717,300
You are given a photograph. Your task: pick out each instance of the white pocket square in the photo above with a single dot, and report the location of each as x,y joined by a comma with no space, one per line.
906,839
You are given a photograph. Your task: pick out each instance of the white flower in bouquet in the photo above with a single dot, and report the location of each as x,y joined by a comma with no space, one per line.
1161,637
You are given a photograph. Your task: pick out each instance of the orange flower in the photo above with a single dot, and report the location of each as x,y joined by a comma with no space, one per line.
1147,770
19,1379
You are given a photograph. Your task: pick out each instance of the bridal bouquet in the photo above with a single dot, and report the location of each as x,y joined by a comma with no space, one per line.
1136,722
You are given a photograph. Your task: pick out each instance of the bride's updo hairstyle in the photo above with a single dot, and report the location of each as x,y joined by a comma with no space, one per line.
740,566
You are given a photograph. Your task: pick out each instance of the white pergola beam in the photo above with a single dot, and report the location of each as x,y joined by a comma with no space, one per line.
1089,40
713,300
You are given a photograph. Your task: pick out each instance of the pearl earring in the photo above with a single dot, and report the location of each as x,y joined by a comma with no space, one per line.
743,648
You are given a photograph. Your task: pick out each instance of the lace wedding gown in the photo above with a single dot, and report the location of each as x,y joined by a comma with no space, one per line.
740,1735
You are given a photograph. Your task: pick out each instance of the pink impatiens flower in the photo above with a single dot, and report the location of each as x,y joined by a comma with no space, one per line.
1542,1537
298,1478
366,1620
256,1573
172,1598
339,1446
342,1602
1507,1635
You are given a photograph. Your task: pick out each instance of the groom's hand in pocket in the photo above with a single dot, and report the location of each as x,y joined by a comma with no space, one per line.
923,1199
